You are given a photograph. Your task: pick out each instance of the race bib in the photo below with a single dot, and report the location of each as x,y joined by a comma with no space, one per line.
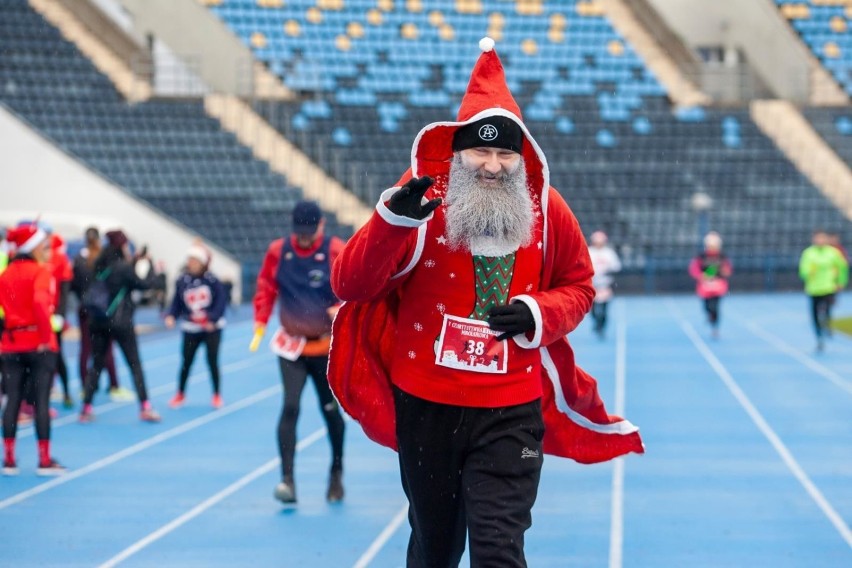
287,346
470,345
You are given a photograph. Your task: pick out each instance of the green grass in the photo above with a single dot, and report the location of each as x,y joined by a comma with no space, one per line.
843,325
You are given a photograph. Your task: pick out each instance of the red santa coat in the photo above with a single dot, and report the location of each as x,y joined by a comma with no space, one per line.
27,292
374,267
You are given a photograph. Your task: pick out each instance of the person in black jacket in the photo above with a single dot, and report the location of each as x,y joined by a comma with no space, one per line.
84,266
200,301
114,268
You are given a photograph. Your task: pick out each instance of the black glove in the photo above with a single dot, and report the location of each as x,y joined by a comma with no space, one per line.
511,319
406,201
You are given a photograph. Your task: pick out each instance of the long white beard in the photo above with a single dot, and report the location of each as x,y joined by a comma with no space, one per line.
488,220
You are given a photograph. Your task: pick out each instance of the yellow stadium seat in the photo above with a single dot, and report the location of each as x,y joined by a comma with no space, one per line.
258,40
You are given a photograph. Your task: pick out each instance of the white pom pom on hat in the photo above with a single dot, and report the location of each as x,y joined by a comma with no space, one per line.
486,44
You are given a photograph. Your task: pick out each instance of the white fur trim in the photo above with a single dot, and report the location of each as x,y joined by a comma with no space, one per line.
486,44
521,339
401,221
545,170
418,251
398,220
32,242
623,428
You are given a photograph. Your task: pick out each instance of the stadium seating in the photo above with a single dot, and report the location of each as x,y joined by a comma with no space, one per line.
634,179
363,50
373,73
167,152
824,25
835,126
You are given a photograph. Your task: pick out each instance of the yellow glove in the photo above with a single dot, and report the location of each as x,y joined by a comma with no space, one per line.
57,322
259,330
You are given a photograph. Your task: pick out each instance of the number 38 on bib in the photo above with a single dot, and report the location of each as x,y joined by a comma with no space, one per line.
470,345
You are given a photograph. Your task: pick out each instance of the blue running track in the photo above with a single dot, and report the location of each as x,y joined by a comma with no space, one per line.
748,463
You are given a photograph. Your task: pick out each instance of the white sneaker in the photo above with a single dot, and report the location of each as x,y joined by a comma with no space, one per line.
50,469
10,468
286,492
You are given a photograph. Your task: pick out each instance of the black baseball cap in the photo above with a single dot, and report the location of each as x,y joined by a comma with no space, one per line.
306,217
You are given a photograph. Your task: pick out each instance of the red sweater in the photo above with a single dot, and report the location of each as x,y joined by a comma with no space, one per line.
27,294
393,255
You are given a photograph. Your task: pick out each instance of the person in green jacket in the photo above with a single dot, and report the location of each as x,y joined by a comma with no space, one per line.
825,272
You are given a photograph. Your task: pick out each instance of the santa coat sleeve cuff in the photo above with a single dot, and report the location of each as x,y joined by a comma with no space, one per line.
398,220
521,339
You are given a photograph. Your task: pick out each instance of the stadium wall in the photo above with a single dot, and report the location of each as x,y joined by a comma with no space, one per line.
40,179
224,63
756,27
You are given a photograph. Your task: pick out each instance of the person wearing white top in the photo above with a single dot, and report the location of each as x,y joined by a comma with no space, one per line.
605,262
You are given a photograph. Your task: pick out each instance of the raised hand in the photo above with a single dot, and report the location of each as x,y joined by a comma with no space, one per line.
407,201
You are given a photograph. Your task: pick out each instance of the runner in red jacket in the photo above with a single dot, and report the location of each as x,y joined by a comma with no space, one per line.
451,345
28,344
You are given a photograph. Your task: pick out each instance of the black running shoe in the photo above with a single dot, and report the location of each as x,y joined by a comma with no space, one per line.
335,487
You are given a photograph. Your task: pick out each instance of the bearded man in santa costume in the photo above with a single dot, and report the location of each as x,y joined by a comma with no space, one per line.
451,347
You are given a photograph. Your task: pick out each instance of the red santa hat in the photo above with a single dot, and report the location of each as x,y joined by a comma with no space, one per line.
26,238
487,97
487,87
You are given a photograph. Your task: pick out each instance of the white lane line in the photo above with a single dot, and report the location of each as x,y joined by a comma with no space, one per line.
382,539
206,504
140,446
799,356
770,434
616,531
110,406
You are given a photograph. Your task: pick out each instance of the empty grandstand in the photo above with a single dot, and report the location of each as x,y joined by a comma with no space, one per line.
363,77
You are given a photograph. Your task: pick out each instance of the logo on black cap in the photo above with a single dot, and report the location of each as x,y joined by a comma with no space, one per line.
488,132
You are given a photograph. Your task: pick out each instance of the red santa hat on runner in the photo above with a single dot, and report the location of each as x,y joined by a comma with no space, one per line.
488,116
26,238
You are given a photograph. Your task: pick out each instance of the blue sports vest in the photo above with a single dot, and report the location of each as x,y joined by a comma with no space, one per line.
304,290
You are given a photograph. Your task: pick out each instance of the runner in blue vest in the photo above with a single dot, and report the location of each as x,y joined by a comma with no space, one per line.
296,270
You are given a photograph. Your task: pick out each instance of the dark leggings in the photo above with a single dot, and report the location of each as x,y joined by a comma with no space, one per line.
61,368
821,313
86,352
711,306
101,342
294,375
191,342
599,315
19,369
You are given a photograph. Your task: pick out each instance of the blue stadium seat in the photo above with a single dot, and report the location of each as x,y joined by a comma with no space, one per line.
825,27
166,152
